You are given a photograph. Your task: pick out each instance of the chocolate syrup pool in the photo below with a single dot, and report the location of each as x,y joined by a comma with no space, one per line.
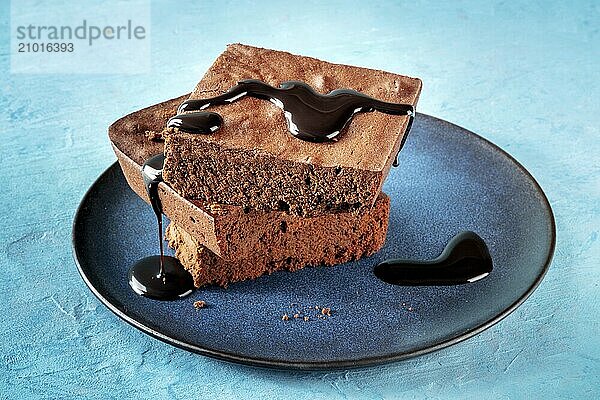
310,116
159,277
465,259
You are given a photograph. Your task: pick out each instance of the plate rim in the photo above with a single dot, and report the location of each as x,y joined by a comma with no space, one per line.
335,364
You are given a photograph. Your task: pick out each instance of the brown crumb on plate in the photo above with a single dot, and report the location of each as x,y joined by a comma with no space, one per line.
306,313
199,304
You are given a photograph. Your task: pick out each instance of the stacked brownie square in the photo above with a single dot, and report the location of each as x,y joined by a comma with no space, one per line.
251,199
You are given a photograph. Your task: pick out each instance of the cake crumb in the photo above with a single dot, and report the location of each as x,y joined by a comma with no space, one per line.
199,304
306,313
215,207
155,136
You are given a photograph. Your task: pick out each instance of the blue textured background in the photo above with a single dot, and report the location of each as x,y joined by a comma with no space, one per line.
524,76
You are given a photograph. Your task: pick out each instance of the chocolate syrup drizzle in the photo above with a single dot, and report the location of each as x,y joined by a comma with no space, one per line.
465,259
310,116
158,277
315,118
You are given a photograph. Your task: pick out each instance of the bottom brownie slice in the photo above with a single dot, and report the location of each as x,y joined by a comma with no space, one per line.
324,240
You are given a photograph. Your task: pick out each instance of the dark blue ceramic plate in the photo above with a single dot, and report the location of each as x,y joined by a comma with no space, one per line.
449,180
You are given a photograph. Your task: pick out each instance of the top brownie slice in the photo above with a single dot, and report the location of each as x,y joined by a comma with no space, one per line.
253,160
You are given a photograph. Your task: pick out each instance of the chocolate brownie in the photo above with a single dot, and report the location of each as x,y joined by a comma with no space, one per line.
253,161
278,241
235,233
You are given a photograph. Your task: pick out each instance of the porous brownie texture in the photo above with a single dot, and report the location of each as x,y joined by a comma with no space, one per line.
286,243
253,161
276,235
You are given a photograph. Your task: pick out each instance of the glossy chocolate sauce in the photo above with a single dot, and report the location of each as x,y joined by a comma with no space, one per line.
310,116
197,122
158,277
465,259
408,128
